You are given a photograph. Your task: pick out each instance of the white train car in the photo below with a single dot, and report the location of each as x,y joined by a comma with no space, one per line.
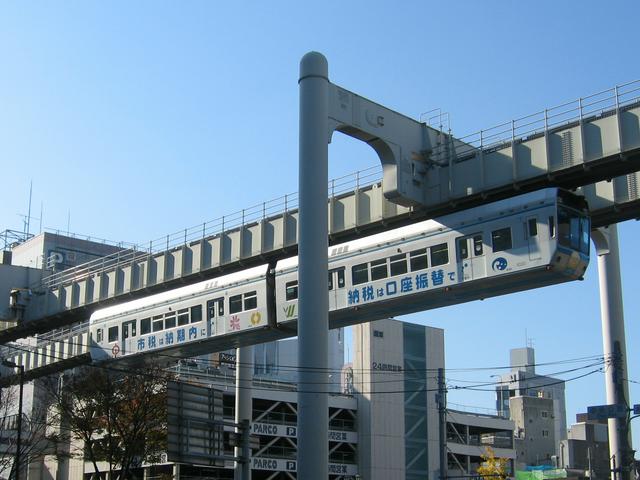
214,308
533,240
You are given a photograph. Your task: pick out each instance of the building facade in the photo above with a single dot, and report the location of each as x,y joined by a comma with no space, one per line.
523,381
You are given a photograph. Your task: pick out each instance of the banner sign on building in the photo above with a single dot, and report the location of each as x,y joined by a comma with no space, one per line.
282,465
290,431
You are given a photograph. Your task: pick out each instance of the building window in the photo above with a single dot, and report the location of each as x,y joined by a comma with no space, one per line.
378,333
544,414
545,433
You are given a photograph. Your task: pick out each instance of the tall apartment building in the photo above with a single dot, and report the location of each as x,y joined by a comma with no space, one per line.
523,381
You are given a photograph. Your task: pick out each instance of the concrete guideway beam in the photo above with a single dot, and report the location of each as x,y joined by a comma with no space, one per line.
407,148
424,168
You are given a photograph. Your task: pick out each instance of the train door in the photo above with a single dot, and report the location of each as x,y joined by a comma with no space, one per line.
336,288
533,239
128,332
215,311
470,255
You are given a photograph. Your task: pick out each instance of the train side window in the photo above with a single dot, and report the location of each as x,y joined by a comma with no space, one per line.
250,300
99,335
113,334
477,245
170,320
533,227
360,273
183,315
196,314
291,290
501,239
145,326
463,250
235,304
439,254
330,280
379,269
157,323
418,259
398,264
552,227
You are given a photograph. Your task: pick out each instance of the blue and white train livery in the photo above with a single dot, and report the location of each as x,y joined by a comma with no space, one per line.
533,240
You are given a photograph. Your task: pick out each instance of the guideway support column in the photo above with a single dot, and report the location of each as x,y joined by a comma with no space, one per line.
614,348
313,302
244,408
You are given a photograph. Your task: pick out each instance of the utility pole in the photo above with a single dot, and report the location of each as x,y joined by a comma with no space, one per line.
442,417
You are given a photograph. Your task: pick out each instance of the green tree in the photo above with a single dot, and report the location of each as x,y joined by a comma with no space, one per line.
122,419
493,468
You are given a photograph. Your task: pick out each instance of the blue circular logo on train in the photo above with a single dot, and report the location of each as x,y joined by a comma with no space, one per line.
499,263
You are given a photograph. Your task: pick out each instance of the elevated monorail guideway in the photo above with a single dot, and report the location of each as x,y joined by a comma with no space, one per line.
593,139
536,239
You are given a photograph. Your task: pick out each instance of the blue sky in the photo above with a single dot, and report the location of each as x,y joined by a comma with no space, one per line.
137,119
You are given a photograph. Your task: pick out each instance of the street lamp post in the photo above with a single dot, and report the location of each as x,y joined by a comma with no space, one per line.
10,364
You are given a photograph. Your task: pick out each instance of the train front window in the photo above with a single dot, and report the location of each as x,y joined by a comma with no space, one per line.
573,230
585,226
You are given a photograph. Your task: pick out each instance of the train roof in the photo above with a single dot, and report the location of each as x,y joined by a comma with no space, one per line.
217,283
440,224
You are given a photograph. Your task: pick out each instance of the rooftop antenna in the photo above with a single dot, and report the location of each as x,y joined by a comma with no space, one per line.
68,221
41,209
28,220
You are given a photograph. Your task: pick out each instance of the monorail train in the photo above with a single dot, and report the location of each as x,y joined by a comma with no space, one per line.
536,239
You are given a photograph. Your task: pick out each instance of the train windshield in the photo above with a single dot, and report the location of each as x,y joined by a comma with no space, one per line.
573,229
